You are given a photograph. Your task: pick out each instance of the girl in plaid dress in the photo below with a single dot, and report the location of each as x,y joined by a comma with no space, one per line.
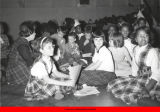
101,70
45,79
145,78
21,57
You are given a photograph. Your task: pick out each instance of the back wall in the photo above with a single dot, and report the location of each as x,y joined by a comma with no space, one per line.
15,12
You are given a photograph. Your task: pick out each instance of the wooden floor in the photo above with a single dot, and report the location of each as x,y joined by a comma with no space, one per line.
13,96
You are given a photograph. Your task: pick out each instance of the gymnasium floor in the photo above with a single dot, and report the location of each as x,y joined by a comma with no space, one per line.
13,96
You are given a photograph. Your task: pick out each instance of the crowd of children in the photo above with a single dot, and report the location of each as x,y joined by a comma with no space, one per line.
121,55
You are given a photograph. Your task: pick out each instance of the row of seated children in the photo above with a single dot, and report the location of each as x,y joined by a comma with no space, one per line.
100,70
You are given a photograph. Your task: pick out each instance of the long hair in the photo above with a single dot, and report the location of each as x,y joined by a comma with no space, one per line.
118,40
100,34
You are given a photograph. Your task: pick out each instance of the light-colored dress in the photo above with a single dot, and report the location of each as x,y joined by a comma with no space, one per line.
122,67
129,46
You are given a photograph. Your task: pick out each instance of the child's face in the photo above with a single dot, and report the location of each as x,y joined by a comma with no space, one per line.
125,32
78,29
111,30
142,38
88,35
48,49
142,23
71,39
98,42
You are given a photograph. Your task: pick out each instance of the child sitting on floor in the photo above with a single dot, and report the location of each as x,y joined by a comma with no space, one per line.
120,54
45,79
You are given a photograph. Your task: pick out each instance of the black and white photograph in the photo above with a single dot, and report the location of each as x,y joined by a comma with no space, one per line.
80,53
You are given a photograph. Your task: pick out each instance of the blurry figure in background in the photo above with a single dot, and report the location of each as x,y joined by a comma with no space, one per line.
101,70
60,40
90,22
87,49
72,54
141,22
21,55
4,46
111,29
79,34
33,43
44,30
49,28
120,54
69,24
121,21
37,28
125,30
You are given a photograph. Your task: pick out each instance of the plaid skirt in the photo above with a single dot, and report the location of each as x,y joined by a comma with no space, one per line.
37,88
96,77
128,89
17,73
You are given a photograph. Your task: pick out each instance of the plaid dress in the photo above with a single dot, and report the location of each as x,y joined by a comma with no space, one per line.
128,89
38,89
17,70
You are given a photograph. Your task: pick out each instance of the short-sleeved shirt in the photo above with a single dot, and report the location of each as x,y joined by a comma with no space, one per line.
39,70
104,55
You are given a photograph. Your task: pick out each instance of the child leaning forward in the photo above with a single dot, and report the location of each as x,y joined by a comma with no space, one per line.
43,81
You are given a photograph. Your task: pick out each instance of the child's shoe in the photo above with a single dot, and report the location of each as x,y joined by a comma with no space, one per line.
59,96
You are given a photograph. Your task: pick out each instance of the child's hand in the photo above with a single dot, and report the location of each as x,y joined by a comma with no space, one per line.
63,69
75,63
69,83
86,42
